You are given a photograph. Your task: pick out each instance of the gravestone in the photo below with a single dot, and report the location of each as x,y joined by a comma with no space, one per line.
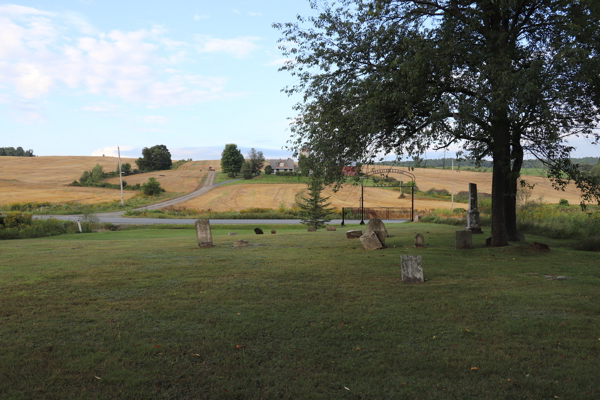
312,229
521,236
464,240
370,241
231,234
273,231
419,240
240,243
417,218
412,269
473,214
203,233
488,241
330,228
376,225
354,234
258,231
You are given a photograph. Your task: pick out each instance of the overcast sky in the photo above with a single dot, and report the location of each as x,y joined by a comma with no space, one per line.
79,77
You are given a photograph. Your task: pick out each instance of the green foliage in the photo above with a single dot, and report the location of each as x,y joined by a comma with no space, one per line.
154,158
303,165
18,152
315,211
232,160
152,187
125,169
563,202
268,170
247,170
257,161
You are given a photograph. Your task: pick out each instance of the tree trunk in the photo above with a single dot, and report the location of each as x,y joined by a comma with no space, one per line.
501,165
510,200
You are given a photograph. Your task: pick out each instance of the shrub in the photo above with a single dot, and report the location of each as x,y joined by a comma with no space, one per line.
152,187
268,170
563,202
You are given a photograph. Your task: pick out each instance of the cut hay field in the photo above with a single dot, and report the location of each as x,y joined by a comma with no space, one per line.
44,179
146,314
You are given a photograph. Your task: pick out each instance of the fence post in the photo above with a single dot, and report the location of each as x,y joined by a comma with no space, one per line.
343,215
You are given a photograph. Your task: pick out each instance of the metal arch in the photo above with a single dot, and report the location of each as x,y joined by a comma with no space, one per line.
385,171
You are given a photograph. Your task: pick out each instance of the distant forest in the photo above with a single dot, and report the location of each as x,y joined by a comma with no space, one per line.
18,152
458,163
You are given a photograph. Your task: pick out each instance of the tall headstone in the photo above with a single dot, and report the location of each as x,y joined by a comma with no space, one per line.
412,269
419,240
464,240
203,233
473,214
376,225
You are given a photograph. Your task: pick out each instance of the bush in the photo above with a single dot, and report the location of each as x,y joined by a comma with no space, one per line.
563,202
268,170
152,187
438,192
38,228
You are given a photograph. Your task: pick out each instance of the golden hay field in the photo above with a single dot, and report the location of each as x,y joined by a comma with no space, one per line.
238,197
44,179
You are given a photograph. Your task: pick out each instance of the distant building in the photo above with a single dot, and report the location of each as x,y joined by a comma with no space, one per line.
283,165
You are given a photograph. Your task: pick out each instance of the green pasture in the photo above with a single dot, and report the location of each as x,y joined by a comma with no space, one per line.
146,314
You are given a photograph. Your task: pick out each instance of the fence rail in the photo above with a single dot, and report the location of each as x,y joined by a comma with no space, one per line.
377,212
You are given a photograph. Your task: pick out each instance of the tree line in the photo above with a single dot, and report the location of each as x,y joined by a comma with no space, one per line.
18,152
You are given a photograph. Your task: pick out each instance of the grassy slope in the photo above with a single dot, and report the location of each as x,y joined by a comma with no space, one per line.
147,314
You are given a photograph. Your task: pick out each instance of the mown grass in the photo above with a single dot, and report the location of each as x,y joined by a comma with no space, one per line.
146,314
266,179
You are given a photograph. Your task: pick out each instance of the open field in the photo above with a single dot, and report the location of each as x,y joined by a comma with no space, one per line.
44,179
146,314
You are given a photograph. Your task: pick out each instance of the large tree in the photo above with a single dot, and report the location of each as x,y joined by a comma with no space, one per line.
232,160
501,78
154,158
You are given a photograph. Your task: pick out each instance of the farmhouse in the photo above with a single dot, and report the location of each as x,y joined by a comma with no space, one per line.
283,165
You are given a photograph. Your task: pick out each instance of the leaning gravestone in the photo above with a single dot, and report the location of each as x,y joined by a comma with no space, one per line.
240,243
412,269
354,234
464,240
419,240
376,225
473,214
258,231
203,233
370,241
330,228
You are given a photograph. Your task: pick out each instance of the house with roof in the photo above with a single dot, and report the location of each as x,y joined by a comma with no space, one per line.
283,165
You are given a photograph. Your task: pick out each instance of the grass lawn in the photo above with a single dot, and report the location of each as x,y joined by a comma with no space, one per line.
262,179
146,314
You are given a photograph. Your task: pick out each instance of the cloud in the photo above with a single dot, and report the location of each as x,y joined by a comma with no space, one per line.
27,112
238,47
198,17
255,14
153,119
236,11
111,151
37,57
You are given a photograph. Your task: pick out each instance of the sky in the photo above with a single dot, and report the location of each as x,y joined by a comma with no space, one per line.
81,77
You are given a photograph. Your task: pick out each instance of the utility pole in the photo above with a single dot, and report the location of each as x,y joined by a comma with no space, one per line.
120,175
453,185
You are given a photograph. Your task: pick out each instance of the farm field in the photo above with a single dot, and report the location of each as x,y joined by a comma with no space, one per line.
146,314
44,179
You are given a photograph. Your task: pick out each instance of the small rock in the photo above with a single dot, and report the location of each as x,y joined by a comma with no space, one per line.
540,247
330,228
273,231
240,243
231,234
311,229
258,231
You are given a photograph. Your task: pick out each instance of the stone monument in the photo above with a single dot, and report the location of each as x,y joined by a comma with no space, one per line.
273,231
203,233
312,229
419,240
240,243
464,240
412,269
330,228
473,214
370,241
258,231
354,234
376,225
